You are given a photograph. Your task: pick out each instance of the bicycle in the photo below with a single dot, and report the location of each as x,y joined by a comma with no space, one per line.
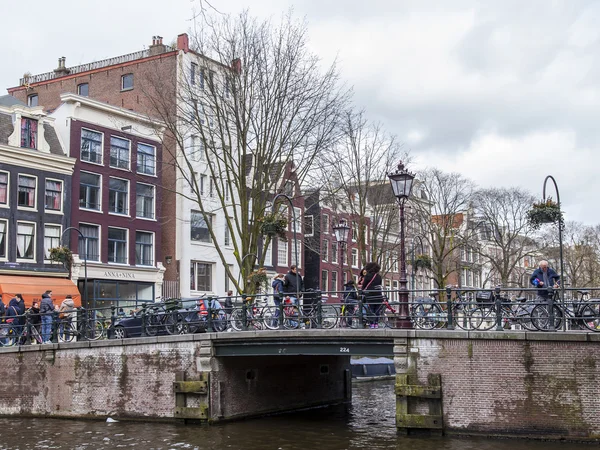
582,314
81,328
518,312
258,316
11,334
218,317
164,316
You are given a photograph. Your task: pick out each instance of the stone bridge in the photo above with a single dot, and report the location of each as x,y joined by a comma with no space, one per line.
493,383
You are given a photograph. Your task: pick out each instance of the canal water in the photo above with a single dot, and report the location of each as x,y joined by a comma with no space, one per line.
366,424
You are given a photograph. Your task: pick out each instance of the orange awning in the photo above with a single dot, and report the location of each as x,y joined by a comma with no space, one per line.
32,288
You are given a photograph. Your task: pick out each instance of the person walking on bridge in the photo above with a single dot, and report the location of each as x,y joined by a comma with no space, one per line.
293,284
543,278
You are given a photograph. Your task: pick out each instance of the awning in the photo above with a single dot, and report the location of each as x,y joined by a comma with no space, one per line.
32,288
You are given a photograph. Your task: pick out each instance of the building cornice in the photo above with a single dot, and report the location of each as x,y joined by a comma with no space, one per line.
34,159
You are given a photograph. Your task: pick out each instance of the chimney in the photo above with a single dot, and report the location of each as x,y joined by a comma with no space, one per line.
236,65
61,70
183,42
157,46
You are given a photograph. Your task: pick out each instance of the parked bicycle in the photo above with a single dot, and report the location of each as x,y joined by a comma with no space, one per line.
517,312
259,315
581,313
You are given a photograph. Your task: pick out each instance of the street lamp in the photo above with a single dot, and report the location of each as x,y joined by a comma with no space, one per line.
341,236
560,236
85,247
402,182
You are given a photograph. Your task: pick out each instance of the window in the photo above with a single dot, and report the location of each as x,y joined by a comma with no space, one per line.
227,240
355,257
117,245
144,251
89,191
3,234
144,201
29,133
89,248
309,225
119,153
354,231
325,226
127,82
53,198
297,261
193,72
200,276
269,255
118,195
298,222
324,280
345,257
202,184
282,253
3,188
211,188
32,100
325,250
227,280
83,89
199,231
334,252
91,146
334,278
51,238
196,150
25,240
146,159
288,188
26,191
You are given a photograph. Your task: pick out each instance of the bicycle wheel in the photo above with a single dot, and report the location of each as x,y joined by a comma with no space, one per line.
8,336
427,316
461,315
66,332
269,317
94,330
522,316
219,322
35,335
152,324
590,315
540,317
329,317
290,317
237,319
173,322
483,318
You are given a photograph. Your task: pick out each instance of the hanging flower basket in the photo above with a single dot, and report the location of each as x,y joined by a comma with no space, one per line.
62,254
274,225
544,212
423,262
259,278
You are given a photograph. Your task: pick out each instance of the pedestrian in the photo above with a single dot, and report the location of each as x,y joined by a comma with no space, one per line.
361,278
228,303
293,284
544,277
350,292
372,291
46,311
65,315
35,320
278,294
14,314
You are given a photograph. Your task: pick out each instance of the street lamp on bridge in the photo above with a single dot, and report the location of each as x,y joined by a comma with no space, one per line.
341,236
402,183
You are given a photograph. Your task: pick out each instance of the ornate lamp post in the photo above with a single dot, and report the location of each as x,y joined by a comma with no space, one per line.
402,182
561,225
412,262
341,236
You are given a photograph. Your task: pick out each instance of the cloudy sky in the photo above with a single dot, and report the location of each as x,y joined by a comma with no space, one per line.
505,92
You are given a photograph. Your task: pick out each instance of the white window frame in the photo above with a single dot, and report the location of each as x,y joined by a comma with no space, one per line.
6,235
209,225
29,100
126,169
355,258
326,278
62,194
35,192
7,204
101,163
293,253
123,88
153,218
96,225
312,225
334,278
137,155
334,251
269,254
99,210
127,237
79,89
325,223
282,249
325,251
127,212
193,264
299,220
51,225
151,233
29,260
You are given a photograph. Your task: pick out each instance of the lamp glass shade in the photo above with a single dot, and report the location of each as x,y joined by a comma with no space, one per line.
341,231
402,183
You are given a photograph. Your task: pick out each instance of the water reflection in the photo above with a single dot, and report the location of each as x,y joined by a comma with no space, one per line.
366,424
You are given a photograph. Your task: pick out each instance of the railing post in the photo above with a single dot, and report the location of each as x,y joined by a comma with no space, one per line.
280,314
209,327
498,306
28,328
113,319
82,323
144,320
244,315
449,312
317,295
551,317
361,319
55,326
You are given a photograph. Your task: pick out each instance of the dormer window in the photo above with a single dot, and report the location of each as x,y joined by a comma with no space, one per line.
29,133
32,100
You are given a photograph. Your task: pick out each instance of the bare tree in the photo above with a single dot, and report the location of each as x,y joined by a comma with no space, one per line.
501,233
354,175
253,105
442,219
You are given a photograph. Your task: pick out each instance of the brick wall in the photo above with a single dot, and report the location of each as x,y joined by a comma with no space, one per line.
544,388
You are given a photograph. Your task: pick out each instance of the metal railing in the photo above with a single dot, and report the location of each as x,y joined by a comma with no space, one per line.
450,309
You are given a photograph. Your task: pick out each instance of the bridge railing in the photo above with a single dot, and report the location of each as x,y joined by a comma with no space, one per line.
451,308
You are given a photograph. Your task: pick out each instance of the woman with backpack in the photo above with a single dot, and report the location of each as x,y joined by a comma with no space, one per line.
372,291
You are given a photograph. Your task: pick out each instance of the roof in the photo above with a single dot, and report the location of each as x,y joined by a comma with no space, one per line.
9,100
6,127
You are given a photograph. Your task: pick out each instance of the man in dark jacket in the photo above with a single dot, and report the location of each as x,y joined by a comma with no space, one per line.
544,277
293,283
46,310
